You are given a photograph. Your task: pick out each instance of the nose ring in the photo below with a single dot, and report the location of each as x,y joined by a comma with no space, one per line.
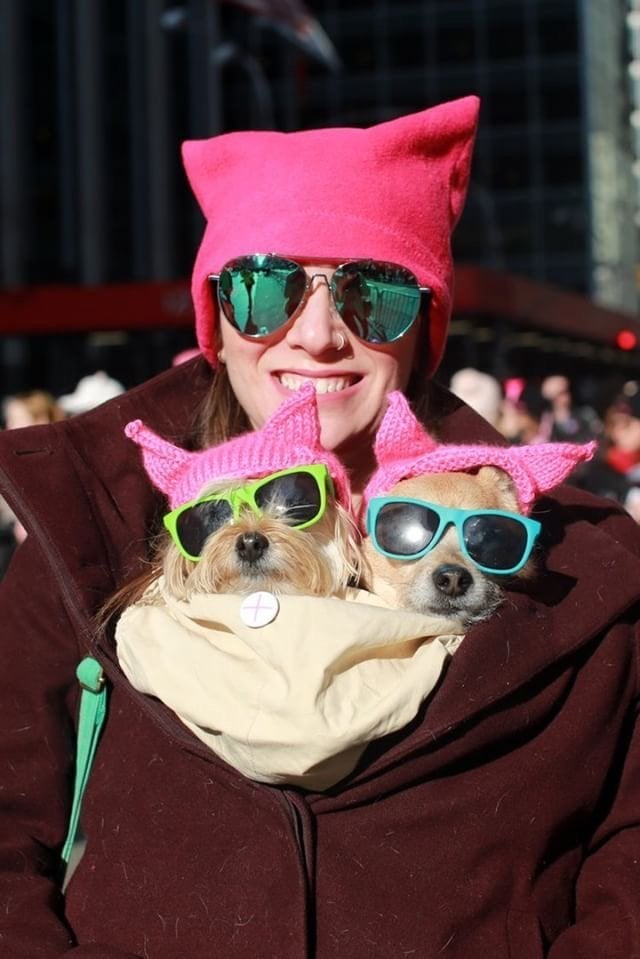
341,342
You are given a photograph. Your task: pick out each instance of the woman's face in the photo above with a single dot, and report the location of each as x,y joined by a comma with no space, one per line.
351,382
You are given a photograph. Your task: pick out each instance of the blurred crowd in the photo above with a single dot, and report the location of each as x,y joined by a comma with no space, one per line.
36,407
546,411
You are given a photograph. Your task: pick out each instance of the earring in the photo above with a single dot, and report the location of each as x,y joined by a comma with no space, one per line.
341,342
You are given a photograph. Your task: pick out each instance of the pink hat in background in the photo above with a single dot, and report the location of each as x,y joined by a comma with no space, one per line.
291,437
404,449
393,191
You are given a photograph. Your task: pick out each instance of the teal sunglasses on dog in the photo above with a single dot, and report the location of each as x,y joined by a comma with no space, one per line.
494,540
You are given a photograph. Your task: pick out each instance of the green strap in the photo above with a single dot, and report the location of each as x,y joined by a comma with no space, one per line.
93,708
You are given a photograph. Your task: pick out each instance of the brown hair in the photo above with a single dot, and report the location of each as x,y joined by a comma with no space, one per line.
221,416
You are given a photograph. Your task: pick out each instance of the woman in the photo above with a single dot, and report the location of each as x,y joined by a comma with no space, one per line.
503,821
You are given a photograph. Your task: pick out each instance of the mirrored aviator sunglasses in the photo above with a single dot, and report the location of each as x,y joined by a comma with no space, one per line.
298,496
495,541
262,294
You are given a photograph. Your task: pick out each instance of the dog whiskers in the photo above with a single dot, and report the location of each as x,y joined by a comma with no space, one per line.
321,560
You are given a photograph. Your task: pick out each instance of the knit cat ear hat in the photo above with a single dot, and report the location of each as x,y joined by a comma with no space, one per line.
404,449
393,191
290,437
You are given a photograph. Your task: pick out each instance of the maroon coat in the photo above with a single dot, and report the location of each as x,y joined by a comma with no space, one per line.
503,824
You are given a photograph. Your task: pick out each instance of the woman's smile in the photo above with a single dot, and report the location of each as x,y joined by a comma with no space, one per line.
322,382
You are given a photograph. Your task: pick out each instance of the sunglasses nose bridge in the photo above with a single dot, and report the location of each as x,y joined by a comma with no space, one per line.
311,287
446,521
239,498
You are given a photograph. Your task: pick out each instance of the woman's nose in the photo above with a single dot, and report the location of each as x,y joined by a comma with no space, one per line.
316,329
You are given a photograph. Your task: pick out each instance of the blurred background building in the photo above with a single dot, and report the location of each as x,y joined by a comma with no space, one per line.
98,230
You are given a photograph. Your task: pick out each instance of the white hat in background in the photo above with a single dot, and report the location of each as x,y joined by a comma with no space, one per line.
91,391
480,391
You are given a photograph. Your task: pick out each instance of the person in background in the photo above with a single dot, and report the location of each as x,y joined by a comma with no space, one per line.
526,415
622,432
503,820
481,391
30,408
570,423
622,445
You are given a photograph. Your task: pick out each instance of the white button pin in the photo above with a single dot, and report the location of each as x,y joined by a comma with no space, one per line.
258,609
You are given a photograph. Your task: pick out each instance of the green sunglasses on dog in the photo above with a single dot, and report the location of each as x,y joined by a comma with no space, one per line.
297,495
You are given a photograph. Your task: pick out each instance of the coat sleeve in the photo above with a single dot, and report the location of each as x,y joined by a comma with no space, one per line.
607,904
38,701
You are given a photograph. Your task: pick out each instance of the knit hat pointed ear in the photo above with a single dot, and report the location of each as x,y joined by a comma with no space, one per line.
162,460
404,449
400,430
290,437
296,421
541,467
402,189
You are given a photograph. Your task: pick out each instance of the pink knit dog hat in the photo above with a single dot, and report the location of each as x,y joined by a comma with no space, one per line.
393,191
404,449
291,437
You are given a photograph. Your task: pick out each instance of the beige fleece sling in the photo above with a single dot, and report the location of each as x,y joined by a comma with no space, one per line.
297,699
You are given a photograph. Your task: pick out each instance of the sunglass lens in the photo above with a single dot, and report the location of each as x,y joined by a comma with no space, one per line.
495,542
258,294
405,529
295,497
196,524
377,301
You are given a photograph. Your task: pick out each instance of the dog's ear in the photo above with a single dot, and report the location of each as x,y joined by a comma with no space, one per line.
503,486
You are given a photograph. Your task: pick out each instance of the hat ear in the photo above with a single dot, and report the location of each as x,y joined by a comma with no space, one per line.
549,464
400,433
444,135
465,123
296,422
162,461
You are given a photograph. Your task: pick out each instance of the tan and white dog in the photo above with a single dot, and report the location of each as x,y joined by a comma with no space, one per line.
465,531
444,582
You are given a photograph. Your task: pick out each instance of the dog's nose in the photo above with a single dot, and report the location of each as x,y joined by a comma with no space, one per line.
452,580
251,546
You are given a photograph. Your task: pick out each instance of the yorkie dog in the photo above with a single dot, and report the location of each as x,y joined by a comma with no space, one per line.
284,533
447,525
267,510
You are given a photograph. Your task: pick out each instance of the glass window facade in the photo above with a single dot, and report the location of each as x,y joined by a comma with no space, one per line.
107,198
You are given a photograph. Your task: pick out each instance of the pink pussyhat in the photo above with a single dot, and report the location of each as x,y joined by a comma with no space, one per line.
404,449
290,437
393,191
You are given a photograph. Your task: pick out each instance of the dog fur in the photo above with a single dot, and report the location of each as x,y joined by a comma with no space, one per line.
444,582
265,553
